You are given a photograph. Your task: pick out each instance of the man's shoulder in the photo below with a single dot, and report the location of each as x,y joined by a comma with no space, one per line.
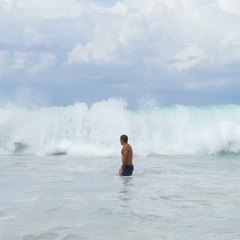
129,146
126,146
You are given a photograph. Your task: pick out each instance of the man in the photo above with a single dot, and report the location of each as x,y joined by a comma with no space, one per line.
127,157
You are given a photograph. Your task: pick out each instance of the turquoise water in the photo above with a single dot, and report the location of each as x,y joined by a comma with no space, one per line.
168,197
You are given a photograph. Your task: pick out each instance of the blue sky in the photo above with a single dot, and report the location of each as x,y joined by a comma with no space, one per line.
171,51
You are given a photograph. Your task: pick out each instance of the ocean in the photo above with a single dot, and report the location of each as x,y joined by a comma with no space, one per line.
59,172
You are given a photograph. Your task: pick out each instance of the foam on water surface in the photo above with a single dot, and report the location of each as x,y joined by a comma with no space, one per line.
94,131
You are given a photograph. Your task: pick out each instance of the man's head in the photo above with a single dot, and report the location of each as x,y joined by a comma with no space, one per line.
124,139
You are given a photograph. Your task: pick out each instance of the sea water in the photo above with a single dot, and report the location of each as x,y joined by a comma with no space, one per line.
59,172
168,197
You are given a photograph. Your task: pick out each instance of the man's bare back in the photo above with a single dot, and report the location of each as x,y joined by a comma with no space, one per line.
127,157
127,154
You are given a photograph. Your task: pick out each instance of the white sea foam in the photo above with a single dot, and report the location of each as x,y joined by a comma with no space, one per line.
94,131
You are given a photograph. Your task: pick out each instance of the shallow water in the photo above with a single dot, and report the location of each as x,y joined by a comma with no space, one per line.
168,197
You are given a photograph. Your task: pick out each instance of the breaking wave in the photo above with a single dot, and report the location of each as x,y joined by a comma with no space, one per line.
94,131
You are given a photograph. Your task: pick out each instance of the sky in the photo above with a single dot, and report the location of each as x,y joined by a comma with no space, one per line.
60,52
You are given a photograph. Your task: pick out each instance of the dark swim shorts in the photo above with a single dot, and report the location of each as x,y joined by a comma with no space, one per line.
128,170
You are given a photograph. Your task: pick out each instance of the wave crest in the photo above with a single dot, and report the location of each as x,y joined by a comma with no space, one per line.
95,131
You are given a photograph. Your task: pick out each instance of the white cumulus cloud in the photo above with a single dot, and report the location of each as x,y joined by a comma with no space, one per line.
152,44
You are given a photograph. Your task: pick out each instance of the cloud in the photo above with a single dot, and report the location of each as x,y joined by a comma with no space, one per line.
93,51
152,45
189,57
114,37
50,9
155,33
46,60
25,61
229,50
230,6
20,60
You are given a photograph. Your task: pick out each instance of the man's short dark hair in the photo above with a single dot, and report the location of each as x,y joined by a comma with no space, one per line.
124,138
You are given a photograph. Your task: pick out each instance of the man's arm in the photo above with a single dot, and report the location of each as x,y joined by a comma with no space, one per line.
124,160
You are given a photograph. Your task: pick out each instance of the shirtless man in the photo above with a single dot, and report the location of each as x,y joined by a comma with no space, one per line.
127,157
